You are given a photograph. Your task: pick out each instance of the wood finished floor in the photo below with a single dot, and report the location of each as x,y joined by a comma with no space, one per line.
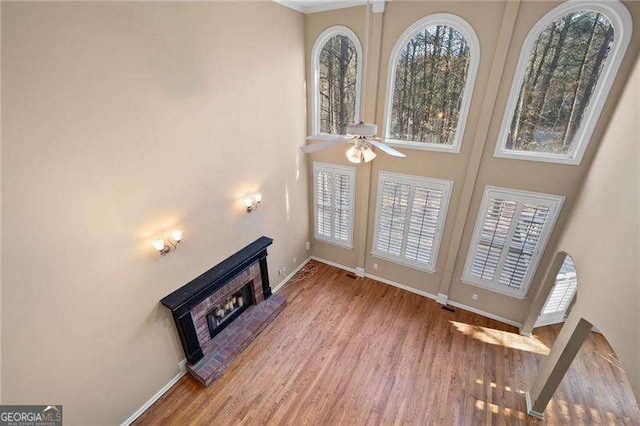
356,351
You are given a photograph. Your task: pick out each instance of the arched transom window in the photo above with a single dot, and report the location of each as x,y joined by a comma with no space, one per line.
566,68
337,70
431,75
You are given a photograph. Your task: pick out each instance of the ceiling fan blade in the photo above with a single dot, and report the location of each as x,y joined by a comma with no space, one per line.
387,149
322,145
327,137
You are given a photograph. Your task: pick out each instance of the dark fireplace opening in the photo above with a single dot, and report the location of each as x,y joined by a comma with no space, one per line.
229,309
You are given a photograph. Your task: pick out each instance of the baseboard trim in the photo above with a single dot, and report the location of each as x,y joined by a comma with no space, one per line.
360,272
183,370
288,277
402,286
421,293
330,263
530,410
484,314
524,333
442,298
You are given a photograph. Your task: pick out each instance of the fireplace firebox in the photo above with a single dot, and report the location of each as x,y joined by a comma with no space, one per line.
228,310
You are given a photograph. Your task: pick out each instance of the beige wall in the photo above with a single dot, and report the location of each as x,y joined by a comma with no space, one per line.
603,235
121,121
485,18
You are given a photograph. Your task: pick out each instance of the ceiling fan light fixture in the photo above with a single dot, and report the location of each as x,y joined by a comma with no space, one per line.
354,154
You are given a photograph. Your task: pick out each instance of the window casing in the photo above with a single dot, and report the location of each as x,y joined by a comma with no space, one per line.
561,122
410,217
437,131
510,235
318,53
334,195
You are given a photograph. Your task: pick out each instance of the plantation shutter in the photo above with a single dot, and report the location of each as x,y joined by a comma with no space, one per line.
510,238
342,207
409,219
334,198
564,289
324,203
423,224
395,201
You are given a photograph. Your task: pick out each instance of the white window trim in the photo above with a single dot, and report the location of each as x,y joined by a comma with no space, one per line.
440,184
333,168
322,39
620,18
470,36
519,196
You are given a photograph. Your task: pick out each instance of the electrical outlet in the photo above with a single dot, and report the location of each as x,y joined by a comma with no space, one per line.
474,297
375,266
295,260
307,245
283,271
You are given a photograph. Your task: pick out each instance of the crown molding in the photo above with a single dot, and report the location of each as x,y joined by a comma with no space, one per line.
377,6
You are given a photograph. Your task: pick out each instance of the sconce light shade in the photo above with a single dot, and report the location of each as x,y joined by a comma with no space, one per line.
158,245
253,202
166,246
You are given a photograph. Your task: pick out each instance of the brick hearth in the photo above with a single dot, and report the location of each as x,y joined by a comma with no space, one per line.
227,345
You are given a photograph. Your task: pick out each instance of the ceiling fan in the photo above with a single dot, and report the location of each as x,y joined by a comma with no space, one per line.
361,135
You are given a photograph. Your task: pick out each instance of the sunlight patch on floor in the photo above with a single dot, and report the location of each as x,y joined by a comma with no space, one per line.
502,338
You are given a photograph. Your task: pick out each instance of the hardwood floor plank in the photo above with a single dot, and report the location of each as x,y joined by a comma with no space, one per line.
355,351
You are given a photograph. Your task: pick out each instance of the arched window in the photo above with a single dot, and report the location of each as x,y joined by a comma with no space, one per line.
432,70
336,60
567,65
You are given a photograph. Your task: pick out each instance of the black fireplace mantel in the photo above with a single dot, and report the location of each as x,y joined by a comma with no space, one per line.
192,293
181,301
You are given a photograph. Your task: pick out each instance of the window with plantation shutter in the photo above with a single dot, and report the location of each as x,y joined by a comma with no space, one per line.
410,216
510,235
561,296
334,188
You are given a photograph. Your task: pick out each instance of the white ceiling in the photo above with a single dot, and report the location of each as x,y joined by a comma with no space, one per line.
311,6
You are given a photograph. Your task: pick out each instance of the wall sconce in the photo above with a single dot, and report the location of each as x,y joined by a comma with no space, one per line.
253,203
170,244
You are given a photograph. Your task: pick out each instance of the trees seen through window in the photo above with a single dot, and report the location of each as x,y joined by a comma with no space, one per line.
429,85
563,69
338,84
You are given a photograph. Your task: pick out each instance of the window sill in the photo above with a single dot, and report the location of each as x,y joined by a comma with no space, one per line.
424,146
538,156
397,261
516,294
342,244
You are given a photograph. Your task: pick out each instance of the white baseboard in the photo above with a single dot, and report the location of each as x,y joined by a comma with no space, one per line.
360,272
183,370
288,277
530,410
524,333
402,286
330,263
485,314
442,298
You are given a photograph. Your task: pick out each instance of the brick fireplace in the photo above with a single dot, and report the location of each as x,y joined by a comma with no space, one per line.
219,313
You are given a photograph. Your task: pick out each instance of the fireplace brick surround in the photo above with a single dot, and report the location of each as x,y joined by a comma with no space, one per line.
191,304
